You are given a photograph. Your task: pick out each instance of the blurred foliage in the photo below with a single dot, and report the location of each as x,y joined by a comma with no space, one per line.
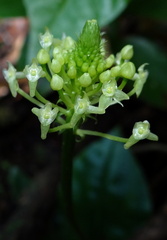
109,188
110,192
154,9
8,9
17,179
68,16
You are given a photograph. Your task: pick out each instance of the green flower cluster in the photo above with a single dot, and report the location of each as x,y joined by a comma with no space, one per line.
87,82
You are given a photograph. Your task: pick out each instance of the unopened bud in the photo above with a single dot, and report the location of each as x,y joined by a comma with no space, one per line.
115,71
56,66
72,72
85,80
43,56
56,82
127,52
109,61
127,70
105,76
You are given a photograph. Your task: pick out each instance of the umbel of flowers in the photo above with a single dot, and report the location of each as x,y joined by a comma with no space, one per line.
86,81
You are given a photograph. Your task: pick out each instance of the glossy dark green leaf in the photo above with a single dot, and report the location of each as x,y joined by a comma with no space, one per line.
10,8
110,193
68,16
155,89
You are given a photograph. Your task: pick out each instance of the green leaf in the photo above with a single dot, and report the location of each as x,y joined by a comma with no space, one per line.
68,16
10,8
155,9
145,51
110,194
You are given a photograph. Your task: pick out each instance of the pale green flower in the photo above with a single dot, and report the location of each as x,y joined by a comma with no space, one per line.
10,76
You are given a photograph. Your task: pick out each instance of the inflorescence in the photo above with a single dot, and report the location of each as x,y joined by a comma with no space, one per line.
87,82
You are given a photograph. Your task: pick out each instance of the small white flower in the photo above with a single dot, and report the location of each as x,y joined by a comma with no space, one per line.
33,72
10,73
10,76
109,88
46,116
81,105
46,39
111,95
141,130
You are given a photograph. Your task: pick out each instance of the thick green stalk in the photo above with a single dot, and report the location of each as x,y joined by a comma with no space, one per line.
66,170
66,177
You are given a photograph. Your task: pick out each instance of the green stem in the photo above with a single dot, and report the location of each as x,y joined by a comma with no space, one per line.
66,177
132,92
61,127
123,84
33,100
40,97
47,75
99,134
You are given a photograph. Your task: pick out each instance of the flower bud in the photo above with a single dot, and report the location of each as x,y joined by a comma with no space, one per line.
46,39
100,67
127,52
56,66
85,80
68,43
56,82
43,56
85,67
105,76
60,58
109,61
72,72
10,76
92,71
115,71
56,51
127,70
90,36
